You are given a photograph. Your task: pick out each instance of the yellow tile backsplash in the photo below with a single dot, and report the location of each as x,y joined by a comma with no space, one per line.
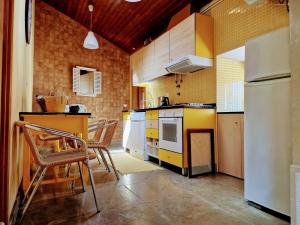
230,85
235,22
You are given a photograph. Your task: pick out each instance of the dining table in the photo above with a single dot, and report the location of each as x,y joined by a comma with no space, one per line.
76,123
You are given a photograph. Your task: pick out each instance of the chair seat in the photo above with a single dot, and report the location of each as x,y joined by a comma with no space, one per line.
66,157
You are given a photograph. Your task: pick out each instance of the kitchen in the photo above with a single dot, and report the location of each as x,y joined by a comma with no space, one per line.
183,98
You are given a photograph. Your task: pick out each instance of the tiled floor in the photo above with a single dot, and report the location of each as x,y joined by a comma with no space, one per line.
157,197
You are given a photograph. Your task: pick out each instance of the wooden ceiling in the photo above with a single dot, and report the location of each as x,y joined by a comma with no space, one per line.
125,24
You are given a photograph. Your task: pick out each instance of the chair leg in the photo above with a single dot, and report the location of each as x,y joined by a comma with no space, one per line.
97,156
113,165
103,159
81,178
33,192
68,170
31,183
92,184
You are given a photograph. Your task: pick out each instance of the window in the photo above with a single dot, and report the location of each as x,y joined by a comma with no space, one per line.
86,81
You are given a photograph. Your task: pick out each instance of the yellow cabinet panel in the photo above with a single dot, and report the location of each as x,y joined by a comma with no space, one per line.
155,114
152,133
149,115
152,115
170,157
155,133
126,115
204,36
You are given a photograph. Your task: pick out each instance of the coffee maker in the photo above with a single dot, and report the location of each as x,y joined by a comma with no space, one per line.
163,101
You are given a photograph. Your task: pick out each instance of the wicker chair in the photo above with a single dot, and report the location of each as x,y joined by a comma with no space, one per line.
98,127
103,144
46,161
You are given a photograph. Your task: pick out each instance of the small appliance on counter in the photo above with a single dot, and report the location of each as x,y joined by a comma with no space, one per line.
163,101
76,108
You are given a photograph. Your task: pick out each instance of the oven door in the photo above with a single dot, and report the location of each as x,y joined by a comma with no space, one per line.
170,134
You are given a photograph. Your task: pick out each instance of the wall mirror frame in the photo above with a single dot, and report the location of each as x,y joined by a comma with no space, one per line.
87,81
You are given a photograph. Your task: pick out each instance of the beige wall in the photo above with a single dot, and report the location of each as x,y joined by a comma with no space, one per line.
295,66
235,22
21,96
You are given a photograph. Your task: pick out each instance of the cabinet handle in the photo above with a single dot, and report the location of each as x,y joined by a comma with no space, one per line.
236,122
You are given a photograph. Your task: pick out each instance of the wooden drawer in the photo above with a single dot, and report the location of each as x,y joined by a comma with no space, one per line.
152,133
152,124
152,115
170,157
126,115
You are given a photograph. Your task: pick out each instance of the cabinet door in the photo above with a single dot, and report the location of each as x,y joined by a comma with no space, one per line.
136,63
230,144
161,54
182,39
148,62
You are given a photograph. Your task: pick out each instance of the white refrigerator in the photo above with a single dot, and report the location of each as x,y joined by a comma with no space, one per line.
267,142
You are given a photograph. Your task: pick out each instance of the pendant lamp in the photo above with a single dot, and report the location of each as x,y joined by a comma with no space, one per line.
90,42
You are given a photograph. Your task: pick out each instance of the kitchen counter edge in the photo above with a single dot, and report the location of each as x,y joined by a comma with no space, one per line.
54,113
169,107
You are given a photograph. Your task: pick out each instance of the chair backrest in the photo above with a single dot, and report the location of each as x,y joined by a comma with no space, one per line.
110,128
28,133
98,128
32,144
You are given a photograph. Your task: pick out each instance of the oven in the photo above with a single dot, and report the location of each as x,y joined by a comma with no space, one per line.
170,129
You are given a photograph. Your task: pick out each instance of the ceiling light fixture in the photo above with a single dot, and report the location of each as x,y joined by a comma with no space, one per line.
90,42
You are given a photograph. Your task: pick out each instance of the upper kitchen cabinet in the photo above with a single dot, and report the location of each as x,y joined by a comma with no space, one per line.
136,63
148,61
193,36
161,54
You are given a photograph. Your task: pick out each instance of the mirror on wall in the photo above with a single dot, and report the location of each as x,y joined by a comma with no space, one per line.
87,81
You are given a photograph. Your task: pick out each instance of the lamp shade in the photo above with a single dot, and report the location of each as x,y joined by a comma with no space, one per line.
90,42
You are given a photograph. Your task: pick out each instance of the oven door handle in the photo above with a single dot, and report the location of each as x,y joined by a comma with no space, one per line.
169,120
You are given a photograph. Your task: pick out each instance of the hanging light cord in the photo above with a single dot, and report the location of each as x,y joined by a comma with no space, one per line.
91,8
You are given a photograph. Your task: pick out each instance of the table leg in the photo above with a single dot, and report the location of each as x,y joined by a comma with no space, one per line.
26,166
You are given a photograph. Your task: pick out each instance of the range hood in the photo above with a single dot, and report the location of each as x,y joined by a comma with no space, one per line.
188,64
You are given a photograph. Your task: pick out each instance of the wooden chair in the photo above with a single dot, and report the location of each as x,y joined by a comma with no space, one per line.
46,161
103,145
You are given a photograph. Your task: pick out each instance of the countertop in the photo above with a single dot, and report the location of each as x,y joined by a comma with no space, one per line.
208,106
54,113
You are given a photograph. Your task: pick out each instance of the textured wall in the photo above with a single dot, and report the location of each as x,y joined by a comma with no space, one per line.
234,23
21,95
58,47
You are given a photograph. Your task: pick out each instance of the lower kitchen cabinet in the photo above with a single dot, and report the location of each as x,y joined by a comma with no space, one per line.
231,144
170,157
152,133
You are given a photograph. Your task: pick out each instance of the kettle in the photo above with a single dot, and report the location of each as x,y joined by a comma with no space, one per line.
163,101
